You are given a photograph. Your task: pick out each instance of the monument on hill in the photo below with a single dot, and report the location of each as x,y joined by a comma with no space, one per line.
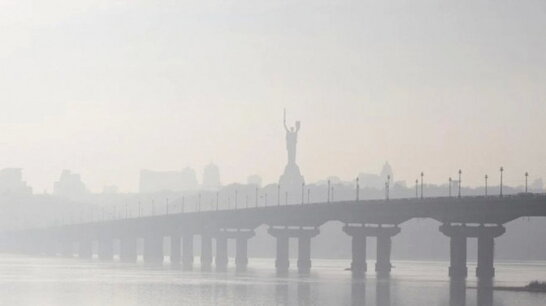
291,178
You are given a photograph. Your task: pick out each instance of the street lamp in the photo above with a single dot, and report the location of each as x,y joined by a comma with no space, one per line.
387,185
422,174
302,192
357,188
486,177
526,177
501,171
278,195
328,191
459,192
450,183
416,188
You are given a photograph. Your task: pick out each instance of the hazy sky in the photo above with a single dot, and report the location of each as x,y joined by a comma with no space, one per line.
106,88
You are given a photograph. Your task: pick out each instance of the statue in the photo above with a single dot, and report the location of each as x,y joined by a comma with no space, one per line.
291,140
291,178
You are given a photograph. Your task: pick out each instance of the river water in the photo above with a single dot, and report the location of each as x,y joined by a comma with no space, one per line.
67,281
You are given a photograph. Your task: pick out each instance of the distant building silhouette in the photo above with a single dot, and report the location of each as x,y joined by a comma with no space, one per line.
69,185
110,189
211,177
377,180
254,180
11,182
158,181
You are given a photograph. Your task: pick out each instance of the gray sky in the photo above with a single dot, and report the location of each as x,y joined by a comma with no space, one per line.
105,88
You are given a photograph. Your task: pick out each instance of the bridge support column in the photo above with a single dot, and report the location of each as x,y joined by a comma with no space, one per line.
241,249
85,249
358,244
282,263
206,252
128,249
153,249
187,255
175,250
458,235
304,247
221,259
383,264
304,254
486,250
384,234
106,249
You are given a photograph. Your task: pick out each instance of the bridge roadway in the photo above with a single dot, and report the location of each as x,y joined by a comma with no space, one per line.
461,218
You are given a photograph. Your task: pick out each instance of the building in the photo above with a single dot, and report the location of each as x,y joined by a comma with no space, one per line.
69,185
211,177
11,182
159,181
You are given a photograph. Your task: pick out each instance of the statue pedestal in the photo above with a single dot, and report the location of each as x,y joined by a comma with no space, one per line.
291,178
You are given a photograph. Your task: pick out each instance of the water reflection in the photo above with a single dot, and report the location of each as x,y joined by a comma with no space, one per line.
304,293
383,291
485,292
281,293
457,292
358,292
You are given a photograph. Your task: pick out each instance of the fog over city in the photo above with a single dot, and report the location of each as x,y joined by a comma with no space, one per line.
107,88
272,152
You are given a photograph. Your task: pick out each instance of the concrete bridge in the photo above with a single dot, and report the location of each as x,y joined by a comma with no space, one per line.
461,218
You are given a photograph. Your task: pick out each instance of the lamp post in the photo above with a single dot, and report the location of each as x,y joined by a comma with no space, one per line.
302,192
278,195
416,188
422,174
450,183
486,177
459,192
328,191
357,189
526,177
332,193
387,186
501,171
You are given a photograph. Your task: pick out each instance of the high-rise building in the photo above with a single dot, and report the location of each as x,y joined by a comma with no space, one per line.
11,182
211,177
69,185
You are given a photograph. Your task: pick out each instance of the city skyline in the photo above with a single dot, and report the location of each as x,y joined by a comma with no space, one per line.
464,94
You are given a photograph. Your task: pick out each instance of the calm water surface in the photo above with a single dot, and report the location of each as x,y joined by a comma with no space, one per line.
58,281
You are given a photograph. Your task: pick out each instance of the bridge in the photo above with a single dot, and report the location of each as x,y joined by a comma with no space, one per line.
462,218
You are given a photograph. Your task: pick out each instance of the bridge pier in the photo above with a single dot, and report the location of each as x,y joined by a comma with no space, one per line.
241,249
304,236
128,249
221,259
458,237
175,250
106,249
187,251
85,249
206,252
153,249
359,235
